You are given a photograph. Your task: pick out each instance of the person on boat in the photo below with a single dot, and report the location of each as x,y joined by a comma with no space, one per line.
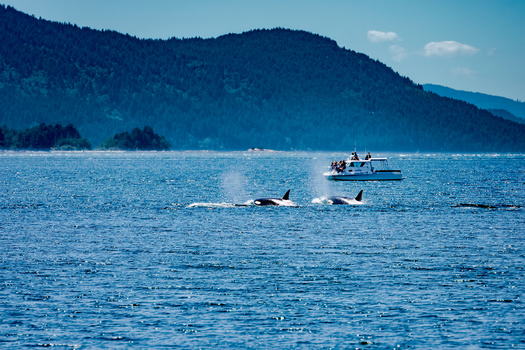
342,166
368,156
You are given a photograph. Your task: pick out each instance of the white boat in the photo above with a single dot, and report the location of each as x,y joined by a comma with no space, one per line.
371,169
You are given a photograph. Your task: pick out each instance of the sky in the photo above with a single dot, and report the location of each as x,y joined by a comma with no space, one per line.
472,45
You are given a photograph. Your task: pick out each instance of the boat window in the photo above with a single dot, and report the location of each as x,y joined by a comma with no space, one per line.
356,164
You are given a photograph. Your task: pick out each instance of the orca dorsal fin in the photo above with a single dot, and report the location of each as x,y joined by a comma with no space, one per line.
286,196
359,196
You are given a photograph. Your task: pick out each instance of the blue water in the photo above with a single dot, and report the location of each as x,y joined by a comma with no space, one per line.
147,250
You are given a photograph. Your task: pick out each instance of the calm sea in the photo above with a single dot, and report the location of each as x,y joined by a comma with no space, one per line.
147,250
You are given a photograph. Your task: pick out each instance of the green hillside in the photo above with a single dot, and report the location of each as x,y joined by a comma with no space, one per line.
278,89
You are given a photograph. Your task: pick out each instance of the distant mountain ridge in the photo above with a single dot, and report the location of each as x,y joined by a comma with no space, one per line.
273,89
485,101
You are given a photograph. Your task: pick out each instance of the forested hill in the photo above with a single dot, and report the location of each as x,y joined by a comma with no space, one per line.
485,101
277,89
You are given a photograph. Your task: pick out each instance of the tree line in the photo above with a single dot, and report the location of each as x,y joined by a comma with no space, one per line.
57,137
277,89
43,137
138,139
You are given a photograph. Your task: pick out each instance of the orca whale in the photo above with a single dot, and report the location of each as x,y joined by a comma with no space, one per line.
345,200
275,201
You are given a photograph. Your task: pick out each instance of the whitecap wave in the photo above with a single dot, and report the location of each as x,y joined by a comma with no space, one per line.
211,205
288,204
322,200
220,205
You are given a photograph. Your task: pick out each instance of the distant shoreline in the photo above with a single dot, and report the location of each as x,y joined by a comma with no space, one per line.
257,151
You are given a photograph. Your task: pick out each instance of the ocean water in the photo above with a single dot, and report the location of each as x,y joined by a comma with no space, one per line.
166,250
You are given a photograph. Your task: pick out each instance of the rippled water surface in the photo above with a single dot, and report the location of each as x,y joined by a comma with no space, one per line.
149,250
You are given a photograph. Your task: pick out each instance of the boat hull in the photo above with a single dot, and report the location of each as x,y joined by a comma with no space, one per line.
375,176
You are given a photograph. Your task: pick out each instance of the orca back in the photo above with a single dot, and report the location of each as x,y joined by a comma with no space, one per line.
338,200
345,200
274,201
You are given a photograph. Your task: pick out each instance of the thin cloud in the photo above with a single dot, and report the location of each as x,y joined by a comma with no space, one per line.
398,53
465,72
448,48
377,36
